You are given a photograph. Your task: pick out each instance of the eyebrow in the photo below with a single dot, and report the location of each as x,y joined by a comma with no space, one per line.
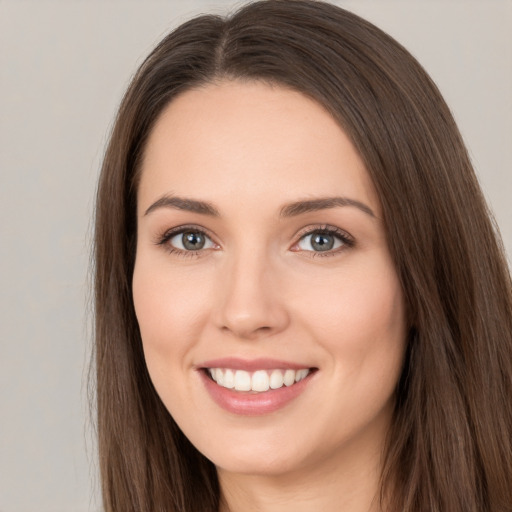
323,203
180,203
290,210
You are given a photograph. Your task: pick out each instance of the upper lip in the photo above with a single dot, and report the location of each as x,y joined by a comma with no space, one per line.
251,365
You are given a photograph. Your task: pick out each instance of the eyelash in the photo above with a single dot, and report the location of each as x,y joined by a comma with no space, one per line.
346,240
164,239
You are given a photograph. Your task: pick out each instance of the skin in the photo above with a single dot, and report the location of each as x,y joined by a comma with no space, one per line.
260,290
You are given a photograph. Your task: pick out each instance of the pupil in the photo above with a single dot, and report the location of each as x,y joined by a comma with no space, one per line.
322,242
193,241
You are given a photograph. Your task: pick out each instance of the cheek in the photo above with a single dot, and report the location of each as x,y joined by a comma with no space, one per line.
357,299
359,318
360,324
171,309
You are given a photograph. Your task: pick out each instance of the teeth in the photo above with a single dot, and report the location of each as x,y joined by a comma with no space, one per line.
276,379
242,381
229,379
259,381
219,376
289,377
301,374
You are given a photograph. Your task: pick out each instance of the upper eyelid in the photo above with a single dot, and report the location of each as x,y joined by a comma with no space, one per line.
164,237
327,228
186,227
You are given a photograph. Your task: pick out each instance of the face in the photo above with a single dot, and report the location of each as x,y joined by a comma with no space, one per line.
271,315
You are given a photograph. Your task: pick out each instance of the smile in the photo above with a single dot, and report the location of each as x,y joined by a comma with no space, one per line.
258,381
255,387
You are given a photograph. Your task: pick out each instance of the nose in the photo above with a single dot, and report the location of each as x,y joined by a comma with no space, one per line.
252,302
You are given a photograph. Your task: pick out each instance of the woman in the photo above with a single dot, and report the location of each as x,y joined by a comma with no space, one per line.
300,297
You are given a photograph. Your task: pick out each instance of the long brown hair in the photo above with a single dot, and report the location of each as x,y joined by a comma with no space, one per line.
449,448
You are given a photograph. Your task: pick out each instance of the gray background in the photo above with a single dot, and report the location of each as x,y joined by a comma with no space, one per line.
63,68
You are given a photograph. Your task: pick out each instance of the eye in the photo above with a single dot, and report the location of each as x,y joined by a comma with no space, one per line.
190,240
324,240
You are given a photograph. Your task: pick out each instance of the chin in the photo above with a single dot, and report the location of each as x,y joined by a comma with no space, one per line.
264,456
258,463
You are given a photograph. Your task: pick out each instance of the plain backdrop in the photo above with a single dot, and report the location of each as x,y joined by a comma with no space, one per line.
63,68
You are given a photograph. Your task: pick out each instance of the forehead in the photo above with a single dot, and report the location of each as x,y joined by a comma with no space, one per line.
251,141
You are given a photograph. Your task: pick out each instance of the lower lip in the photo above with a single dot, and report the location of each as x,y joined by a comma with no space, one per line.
247,403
